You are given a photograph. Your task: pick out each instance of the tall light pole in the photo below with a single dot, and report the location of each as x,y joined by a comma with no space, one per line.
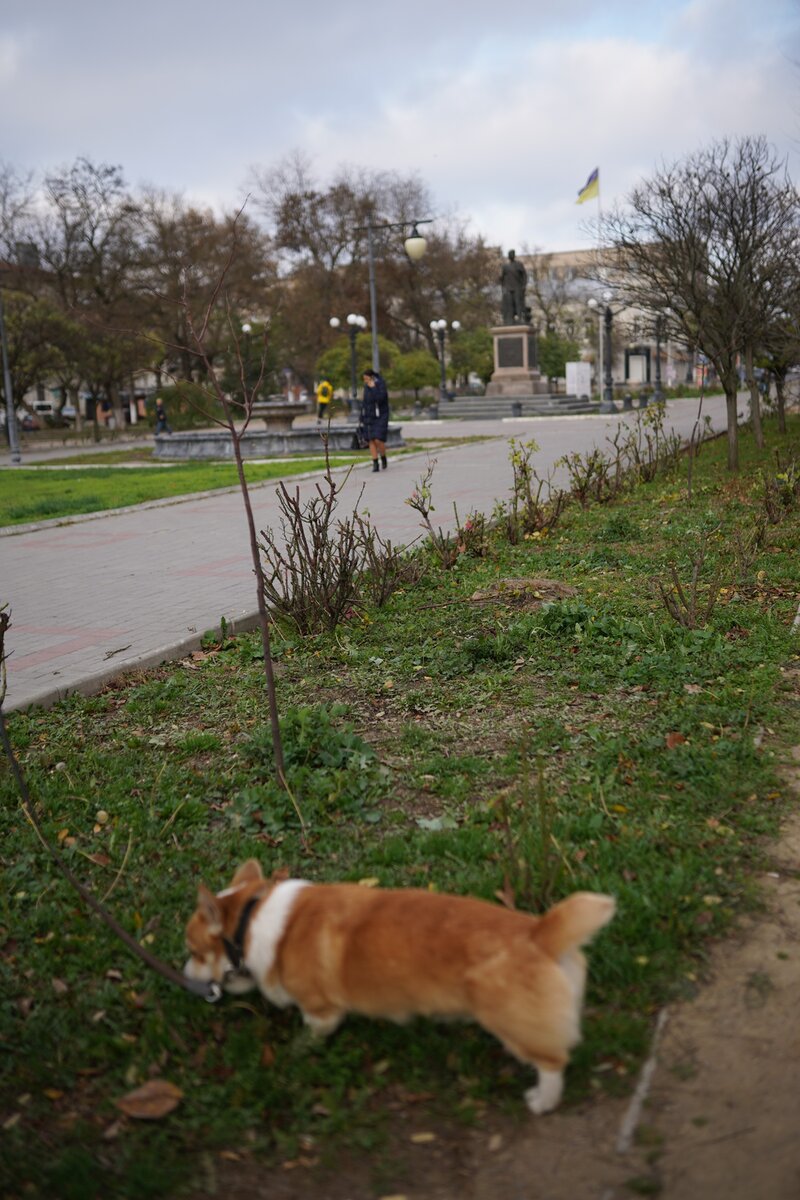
607,402
415,246
355,323
658,395
8,388
439,328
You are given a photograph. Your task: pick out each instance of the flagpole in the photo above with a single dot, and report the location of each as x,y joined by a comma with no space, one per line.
599,320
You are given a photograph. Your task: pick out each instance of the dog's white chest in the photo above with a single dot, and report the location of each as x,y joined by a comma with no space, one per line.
266,930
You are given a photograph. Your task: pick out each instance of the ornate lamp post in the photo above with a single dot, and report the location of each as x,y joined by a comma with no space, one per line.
415,246
439,327
658,395
355,324
607,402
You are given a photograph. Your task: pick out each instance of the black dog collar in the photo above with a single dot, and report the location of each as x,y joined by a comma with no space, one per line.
234,947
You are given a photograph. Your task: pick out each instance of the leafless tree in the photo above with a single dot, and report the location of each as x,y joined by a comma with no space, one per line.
184,250
87,235
703,241
319,232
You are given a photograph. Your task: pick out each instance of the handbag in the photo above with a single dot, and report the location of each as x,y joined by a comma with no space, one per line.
360,440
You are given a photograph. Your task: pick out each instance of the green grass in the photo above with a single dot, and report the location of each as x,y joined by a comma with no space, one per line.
38,495
143,454
413,739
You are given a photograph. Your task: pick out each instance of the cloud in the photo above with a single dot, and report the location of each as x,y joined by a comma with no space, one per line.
513,140
10,59
502,113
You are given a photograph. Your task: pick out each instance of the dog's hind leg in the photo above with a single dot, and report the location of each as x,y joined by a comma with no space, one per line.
547,1094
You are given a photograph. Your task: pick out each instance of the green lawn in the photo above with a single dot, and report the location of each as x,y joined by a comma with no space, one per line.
38,495
441,742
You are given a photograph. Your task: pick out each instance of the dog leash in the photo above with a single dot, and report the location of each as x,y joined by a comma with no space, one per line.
210,990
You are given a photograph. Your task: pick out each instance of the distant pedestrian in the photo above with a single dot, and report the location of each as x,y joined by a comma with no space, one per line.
375,417
324,397
162,425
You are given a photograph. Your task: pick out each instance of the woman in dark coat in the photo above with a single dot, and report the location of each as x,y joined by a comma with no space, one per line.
375,417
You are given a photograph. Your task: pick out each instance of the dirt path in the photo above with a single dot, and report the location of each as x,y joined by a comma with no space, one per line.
720,1119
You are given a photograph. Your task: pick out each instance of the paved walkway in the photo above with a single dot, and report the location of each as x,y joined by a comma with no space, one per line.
134,587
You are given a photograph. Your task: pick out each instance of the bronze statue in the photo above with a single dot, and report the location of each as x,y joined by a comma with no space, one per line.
513,279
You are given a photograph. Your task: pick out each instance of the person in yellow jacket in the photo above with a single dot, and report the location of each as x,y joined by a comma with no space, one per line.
324,397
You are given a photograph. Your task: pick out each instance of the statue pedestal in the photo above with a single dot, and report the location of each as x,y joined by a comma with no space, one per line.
515,362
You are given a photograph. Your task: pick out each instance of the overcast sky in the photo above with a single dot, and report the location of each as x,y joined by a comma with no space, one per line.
502,109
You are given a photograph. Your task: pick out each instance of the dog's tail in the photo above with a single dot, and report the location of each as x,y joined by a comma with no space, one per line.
573,922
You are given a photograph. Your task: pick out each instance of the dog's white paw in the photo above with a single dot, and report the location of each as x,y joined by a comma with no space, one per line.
547,1094
322,1027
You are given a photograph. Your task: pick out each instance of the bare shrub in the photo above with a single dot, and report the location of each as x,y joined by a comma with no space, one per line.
690,605
444,545
323,568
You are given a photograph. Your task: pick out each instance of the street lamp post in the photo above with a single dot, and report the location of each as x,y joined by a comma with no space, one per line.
355,324
607,403
658,394
439,328
415,246
11,414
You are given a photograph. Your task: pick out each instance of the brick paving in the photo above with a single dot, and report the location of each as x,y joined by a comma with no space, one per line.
135,587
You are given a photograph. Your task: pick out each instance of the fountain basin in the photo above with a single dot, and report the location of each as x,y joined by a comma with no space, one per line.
278,413
269,443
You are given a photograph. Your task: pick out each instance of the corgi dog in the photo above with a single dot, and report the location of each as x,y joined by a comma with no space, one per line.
334,949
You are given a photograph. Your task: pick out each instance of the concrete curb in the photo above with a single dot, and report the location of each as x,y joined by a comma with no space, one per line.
171,652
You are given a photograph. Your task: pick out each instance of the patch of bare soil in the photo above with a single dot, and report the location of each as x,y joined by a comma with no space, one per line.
523,593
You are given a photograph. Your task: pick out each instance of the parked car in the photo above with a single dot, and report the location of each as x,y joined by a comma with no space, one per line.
28,423
69,412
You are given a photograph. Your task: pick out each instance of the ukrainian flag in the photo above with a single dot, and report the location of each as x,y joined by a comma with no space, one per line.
591,188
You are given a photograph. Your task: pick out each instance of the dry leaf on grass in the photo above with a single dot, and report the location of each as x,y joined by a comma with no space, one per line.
674,739
150,1101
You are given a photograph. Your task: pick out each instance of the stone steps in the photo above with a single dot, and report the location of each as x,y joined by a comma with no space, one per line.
484,408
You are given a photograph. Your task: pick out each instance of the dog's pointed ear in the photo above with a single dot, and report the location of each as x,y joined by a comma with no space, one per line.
209,909
249,872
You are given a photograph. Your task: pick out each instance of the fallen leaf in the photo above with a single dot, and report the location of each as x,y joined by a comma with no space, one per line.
693,689
53,1093
267,1055
495,1142
435,824
371,882
102,860
674,739
13,1120
423,1139
59,987
150,1101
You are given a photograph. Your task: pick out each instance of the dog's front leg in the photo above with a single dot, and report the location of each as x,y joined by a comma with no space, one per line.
323,1023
